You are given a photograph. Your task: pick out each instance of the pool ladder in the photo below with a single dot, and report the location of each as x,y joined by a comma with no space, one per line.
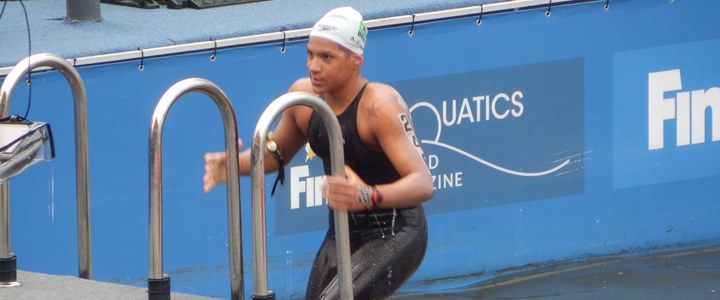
8,261
159,283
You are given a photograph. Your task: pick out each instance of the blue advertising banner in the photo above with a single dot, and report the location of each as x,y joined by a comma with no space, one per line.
501,136
666,114
475,129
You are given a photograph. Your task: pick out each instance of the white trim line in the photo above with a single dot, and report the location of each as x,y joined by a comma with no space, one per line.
303,33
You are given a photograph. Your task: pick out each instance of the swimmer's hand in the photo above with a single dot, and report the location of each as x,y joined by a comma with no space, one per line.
216,169
342,193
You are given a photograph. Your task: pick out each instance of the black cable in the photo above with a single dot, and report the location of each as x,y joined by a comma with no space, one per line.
27,23
3,9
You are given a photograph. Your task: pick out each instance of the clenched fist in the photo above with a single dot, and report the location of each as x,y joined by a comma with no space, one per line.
216,164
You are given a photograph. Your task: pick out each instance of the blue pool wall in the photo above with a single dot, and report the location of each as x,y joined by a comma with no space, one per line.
583,73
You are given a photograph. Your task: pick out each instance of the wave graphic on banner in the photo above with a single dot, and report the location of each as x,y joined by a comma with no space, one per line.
437,142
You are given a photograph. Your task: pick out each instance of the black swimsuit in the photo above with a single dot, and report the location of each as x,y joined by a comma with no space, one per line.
387,245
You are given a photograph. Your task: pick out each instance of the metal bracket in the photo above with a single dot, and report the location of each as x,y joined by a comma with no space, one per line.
134,3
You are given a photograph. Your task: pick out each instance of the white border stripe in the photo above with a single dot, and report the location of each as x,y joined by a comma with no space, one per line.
303,33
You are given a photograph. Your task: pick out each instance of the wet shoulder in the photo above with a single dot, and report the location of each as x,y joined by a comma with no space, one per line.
301,85
300,114
382,97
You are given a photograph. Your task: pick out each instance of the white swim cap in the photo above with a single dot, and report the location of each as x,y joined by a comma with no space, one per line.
344,26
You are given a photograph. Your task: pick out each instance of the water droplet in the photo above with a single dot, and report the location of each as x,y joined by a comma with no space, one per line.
52,192
392,228
382,232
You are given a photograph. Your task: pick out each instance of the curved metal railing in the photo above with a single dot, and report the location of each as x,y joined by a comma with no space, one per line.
159,283
257,173
81,154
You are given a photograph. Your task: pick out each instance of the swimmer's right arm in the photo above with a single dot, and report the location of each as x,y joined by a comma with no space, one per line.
288,136
216,162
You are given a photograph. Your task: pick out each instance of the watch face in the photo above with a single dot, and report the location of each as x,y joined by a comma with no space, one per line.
271,146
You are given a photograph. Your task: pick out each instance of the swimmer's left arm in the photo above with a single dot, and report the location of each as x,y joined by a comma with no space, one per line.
395,133
392,129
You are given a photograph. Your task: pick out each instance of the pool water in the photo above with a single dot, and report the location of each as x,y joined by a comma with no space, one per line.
685,275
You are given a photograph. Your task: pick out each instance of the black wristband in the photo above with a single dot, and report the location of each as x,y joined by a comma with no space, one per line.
276,152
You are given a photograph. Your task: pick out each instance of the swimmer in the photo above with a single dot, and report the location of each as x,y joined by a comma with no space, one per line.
386,179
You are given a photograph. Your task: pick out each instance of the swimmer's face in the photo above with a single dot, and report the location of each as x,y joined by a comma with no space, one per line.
329,65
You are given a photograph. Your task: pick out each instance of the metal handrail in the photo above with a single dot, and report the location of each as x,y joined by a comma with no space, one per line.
233,190
257,173
81,153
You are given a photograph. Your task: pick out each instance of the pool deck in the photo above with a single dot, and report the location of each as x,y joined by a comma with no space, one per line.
43,286
125,28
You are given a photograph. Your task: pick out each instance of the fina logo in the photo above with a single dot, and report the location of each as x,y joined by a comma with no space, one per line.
687,108
301,182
